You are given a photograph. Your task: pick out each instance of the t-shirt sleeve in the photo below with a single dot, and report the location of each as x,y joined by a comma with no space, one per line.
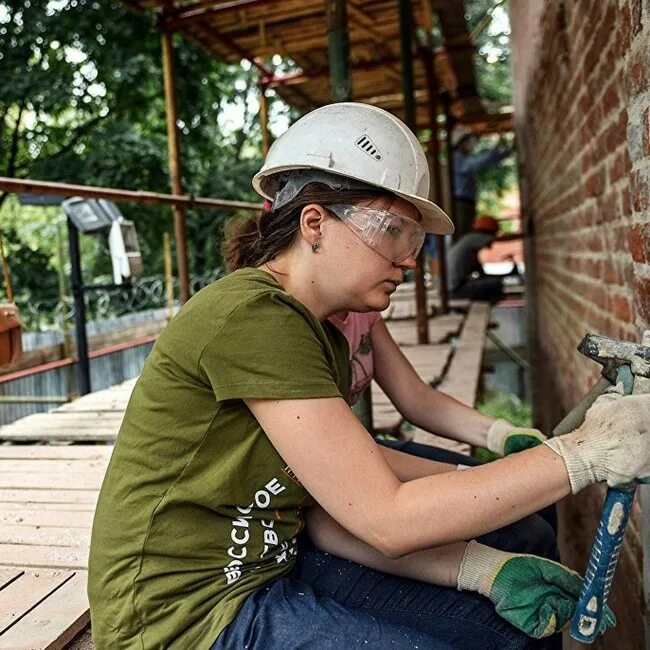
268,347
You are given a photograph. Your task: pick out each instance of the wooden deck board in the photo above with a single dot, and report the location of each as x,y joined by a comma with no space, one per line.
462,379
50,622
441,328
429,361
95,417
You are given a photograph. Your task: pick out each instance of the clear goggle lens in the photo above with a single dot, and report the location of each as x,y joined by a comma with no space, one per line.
393,236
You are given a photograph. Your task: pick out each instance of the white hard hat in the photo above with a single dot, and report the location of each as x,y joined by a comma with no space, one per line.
360,142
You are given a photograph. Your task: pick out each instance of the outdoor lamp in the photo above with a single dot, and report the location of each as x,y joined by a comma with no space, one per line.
87,215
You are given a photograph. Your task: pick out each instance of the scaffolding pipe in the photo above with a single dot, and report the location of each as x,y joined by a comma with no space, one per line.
338,49
20,185
434,153
406,42
173,151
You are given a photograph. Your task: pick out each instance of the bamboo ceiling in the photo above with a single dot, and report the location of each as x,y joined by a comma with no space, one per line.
257,29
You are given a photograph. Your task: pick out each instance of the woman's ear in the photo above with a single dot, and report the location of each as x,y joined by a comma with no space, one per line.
312,219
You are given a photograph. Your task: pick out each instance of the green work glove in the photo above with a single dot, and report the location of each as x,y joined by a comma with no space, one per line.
505,438
534,594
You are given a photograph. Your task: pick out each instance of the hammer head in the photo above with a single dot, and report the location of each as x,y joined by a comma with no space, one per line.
612,354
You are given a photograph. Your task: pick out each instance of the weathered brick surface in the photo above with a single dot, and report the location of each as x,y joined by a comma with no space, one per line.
583,128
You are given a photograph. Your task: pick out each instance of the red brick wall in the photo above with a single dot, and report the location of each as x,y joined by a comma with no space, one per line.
587,139
583,128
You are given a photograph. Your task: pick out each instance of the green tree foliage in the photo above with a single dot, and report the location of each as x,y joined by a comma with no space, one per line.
488,23
81,100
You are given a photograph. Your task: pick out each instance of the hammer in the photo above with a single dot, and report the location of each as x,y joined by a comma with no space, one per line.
628,363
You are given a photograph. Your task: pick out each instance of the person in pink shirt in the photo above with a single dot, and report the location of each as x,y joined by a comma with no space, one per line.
374,354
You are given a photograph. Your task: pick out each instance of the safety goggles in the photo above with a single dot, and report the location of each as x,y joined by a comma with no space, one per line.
393,236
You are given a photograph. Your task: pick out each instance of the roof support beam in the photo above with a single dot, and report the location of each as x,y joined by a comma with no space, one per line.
406,51
192,14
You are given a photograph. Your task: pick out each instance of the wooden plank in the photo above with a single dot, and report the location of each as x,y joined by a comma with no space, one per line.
46,495
7,576
32,466
54,622
429,362
56,452
66,418
462,379
441,329
54,518
44,536
25,593
54,435
7,506
71,481
49,557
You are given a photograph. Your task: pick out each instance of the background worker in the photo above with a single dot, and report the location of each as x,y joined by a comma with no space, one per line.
466,166
465,274
238,426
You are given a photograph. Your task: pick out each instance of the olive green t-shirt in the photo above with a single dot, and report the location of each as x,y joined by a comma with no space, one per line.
197,509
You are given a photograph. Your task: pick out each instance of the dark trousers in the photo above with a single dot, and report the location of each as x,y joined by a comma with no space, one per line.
464,213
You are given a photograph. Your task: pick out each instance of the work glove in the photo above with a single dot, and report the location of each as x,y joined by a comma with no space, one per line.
612,444
534,594
505,438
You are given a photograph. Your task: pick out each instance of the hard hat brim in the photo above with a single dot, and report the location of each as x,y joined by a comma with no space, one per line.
434,218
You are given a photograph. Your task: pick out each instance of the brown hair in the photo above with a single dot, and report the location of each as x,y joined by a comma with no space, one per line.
254,241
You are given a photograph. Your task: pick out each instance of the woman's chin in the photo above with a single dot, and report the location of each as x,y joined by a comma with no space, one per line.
379,303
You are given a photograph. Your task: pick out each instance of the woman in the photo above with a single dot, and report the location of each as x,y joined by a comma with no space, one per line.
238,424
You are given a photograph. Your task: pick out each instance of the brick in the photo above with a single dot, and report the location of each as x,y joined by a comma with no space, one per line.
595,183
637,74
610,99
640,191
620,167
639,242
645,131
609,274
621,308
642,297
624,35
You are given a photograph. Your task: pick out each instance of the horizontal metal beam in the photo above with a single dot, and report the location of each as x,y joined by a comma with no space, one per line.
17,185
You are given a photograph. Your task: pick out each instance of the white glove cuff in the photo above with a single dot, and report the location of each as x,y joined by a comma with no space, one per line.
496,435
478,566
582,456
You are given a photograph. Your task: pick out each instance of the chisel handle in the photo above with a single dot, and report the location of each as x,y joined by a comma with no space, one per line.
602,564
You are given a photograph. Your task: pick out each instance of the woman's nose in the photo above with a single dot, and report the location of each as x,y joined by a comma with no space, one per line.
408,263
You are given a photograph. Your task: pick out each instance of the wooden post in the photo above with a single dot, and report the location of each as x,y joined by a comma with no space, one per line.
173,151
338,49
169,278
264,119
406,53
434,153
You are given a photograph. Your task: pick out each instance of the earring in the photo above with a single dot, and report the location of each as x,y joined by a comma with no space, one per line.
315,246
